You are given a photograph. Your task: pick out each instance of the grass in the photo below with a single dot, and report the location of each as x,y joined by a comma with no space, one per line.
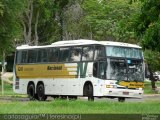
148,89
8,90
79,107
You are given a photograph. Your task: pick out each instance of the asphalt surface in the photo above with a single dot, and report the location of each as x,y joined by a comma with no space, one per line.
152,97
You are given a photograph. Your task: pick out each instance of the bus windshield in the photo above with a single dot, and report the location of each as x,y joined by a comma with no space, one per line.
122,63
122,69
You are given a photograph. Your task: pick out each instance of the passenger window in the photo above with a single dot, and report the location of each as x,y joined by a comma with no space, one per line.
64,55
76,54
42,55
53,54
21,57
99,52
95,69
18,57
87,53
32,54
102,70
24,57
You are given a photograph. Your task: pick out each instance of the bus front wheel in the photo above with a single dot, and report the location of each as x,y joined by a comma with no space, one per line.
88,91
40,92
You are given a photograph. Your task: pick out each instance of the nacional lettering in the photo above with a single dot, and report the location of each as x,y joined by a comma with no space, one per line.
54,67
137,85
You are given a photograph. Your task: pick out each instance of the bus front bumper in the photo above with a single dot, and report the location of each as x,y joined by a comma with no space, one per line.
127,93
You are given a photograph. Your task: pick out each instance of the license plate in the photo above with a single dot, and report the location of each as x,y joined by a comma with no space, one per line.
125,93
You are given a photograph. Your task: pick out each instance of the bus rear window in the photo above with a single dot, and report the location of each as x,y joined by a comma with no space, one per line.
21,57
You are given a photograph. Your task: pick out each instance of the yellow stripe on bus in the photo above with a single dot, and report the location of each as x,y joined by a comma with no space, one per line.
45,71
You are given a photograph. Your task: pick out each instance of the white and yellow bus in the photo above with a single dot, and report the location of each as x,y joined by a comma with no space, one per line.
79,68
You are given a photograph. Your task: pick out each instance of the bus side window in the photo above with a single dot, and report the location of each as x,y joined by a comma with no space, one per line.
23,57
18,57
32,54
53,54
99,52
102,70
76,54
95,69
87,54
64,54
42,55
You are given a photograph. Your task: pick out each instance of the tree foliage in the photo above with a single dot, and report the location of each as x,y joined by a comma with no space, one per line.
111,20
9,23
147,29
38,21
152,58
147,25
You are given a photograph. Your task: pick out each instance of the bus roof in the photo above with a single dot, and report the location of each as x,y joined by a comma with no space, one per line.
80,42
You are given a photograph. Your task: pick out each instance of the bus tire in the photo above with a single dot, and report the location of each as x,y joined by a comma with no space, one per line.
31,91
88,91
41,92
121,99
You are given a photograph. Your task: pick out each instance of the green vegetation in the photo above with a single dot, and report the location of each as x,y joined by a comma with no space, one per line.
43,22
8,90
62,106
146,27
80,106
148,88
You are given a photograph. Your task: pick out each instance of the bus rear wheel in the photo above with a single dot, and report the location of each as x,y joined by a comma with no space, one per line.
88,91
31,91
40,92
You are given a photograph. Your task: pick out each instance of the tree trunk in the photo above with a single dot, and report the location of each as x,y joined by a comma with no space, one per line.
3,63
35,28
3,70
24,32
62,24
151,77
30,15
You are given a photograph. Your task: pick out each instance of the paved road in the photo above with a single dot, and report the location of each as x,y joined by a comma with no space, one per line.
145,98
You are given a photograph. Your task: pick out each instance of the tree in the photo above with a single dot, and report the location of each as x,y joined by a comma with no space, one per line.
43,21
9,27
9,23
152,59
35,20
147,29
110,20
74,24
